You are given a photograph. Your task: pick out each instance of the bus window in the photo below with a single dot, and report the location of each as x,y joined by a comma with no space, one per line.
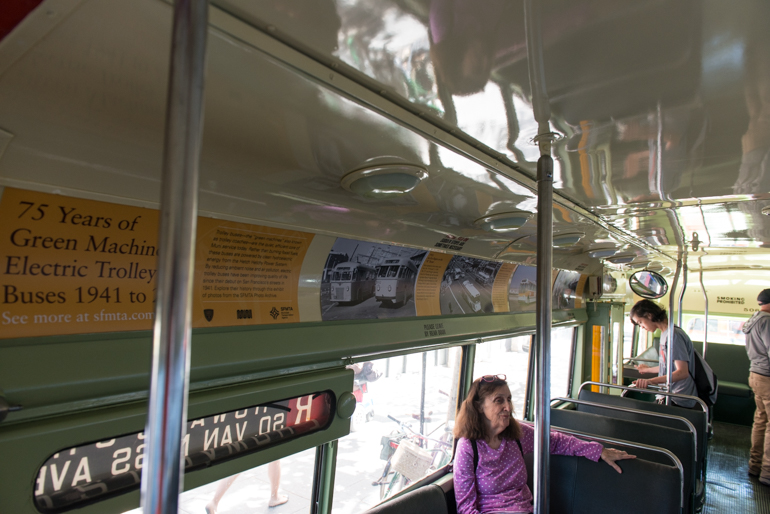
721,329
562,350
251,490
628,338
509,356
368,459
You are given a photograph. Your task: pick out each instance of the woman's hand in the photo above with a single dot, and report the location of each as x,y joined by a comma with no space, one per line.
610,455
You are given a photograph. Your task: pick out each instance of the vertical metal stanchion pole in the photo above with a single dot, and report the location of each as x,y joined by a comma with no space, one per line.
542,111
422,398
323,478
684,289
670,343
543,331
706,312
166,421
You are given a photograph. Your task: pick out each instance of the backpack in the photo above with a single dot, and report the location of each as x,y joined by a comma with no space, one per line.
705,380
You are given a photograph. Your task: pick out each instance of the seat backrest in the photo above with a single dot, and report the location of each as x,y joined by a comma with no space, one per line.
679,442
429,498
578,485
697,417
730,362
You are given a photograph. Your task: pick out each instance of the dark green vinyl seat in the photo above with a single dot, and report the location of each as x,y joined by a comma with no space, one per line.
731,365
697,417
576,485
427,499
735,401
680,442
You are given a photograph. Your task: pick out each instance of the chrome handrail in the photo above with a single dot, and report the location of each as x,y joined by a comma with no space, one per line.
643,446
629,359
670,330
686,421
664,393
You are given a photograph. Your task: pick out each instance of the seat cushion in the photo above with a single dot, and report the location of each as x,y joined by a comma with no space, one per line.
426,499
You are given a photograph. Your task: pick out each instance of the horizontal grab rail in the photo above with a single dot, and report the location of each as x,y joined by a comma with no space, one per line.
629,359
686,421
664,393
643,446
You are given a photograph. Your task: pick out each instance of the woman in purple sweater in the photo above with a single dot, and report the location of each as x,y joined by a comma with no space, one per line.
499,482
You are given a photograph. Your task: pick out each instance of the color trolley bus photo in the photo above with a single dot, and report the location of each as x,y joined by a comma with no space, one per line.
384,256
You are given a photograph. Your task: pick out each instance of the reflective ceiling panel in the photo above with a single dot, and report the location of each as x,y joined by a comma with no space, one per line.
662,106
658,99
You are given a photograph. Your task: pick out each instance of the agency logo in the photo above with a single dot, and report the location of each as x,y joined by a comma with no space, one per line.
208,313
274,313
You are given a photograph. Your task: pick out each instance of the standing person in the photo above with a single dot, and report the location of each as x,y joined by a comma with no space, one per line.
498,481
273,474
650,316
757,330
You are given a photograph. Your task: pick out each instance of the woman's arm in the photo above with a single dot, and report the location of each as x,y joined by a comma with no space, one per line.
563,444
465,478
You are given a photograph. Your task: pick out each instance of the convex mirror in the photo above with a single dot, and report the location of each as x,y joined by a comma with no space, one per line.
648,284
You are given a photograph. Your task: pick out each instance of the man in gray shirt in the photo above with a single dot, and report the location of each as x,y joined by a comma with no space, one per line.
757,330
650,316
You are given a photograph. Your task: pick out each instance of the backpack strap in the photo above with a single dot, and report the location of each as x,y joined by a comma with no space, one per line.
476,453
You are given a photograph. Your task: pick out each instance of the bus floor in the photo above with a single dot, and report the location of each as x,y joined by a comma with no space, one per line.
729,488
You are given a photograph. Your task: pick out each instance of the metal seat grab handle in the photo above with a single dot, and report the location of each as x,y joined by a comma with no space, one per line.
686,421
664,393
635,359
631,444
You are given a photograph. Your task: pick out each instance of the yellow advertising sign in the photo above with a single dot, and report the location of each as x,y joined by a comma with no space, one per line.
596,356
428,286
246,274
74,266
500,287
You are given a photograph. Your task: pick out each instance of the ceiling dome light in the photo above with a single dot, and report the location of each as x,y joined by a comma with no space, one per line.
654,266
566,239
602,252
384,180
503,221
622,258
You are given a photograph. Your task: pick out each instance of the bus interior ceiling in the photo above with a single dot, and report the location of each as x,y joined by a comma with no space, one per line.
311,112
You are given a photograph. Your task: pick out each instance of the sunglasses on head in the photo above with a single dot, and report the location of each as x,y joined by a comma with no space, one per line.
493,378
